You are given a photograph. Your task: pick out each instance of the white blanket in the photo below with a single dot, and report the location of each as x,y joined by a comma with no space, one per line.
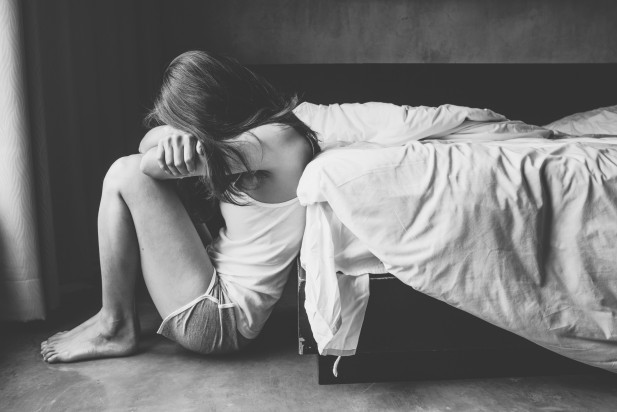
494,219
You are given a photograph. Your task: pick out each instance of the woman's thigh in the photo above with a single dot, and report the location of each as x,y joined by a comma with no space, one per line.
174,261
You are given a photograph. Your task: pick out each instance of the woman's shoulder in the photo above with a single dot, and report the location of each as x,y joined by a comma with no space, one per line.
284,140
272,133
276,146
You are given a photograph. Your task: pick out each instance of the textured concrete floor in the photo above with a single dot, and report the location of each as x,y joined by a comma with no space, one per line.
269,377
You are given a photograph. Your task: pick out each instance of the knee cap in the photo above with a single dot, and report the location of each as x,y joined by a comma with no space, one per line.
123,170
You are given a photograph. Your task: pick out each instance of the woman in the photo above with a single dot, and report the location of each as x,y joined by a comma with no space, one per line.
214,119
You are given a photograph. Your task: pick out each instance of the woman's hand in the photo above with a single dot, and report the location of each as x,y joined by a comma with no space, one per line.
178,153
169,153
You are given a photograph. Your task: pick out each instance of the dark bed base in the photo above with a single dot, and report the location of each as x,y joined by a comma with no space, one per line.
446,364
409,336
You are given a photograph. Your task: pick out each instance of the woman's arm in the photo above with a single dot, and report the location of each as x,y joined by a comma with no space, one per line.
171,154
149,165
185,161
177,154
154,135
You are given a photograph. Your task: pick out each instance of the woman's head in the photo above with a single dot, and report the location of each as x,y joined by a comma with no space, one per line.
215,99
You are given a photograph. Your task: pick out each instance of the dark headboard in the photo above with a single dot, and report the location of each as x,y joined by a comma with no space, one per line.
533,93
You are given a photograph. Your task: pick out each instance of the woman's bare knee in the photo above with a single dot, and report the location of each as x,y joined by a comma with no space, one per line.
126,178
123,172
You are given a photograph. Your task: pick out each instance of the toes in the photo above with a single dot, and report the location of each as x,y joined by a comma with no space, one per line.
54,338
54,358
47,349
48,356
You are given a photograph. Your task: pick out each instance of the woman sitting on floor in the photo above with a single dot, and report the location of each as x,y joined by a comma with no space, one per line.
218,120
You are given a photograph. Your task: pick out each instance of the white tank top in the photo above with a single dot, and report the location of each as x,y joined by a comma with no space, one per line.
254,254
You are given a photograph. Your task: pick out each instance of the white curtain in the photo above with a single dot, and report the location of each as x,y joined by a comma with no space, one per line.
27,257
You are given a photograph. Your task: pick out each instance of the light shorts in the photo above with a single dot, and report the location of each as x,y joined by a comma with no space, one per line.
207,324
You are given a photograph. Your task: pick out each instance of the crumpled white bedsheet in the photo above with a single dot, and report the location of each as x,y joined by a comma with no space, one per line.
520,232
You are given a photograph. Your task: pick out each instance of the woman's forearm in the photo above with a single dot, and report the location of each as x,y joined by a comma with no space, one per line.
151,139
150,165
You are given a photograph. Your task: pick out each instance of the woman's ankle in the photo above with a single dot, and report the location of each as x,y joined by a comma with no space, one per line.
116,321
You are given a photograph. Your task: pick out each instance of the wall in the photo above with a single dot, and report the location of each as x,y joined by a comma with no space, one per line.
399,31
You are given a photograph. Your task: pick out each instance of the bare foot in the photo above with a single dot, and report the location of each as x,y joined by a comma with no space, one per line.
99,337
67,333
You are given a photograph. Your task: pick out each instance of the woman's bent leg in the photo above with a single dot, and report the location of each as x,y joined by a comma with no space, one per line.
141,223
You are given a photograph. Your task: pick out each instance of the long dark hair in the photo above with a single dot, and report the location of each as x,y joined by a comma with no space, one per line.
215,99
